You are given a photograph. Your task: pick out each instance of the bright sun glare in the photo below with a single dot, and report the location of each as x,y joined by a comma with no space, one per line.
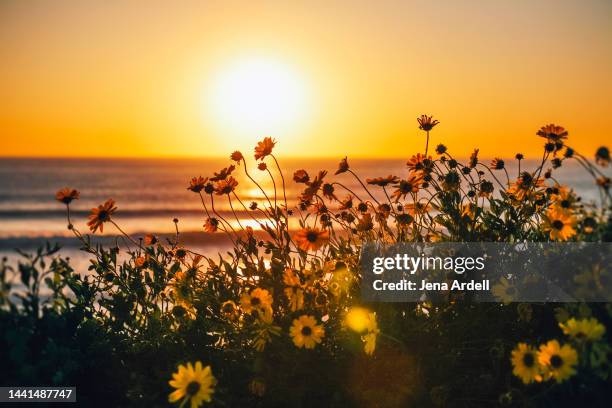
259,97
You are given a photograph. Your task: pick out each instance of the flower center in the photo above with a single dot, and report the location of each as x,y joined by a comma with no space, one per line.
103,215
557,224
306,331
565,204
556,361
255,301
192,388
528,360
312,236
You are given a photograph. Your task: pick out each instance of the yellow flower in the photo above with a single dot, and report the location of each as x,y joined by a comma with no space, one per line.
525,364
310,239
296,298
583,329
258,299
357,319
306,332
558,361
100,215
560,224
194,383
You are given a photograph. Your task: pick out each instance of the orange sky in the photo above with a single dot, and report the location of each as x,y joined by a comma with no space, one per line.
136,78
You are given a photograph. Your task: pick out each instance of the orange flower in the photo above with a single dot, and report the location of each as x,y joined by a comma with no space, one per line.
417,162
66,195
223,174
411,185
100,215
264,148
197,184
553,133
211,225
301,176
427,123
383,181
226,186
417,208
342,167
311,238
236,156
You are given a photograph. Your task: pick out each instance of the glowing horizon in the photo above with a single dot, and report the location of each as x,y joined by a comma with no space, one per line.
146,79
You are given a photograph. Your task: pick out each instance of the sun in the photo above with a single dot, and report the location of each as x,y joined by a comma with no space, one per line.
258,96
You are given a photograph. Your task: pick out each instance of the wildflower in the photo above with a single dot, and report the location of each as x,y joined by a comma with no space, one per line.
193,383
140,261
583,329
264,148
150,239
258,300
519,156
440,149
383,181
211,225
295,296
365,223
552,133
262,166
556,162
558,361
328,191
362,207
602,156
426,123
411,185
560,224
569,153
229,310
237,156
525,364
301,176
523,185
486,188
418,162
451,181
417,208
226,186
347,203
473,159
305,332
589,224
497,164
310,239
223,174
253,206
100,215
313,187
290,278
197,184
66,195
357,319
343,166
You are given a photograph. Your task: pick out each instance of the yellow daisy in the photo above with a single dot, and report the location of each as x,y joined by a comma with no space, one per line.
583,329
258,299
305,332
194,383
525,364
560,224
558,361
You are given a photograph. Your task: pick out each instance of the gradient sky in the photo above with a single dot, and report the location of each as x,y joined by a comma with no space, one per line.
118,78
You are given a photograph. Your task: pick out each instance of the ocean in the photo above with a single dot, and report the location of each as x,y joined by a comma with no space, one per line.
151,192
